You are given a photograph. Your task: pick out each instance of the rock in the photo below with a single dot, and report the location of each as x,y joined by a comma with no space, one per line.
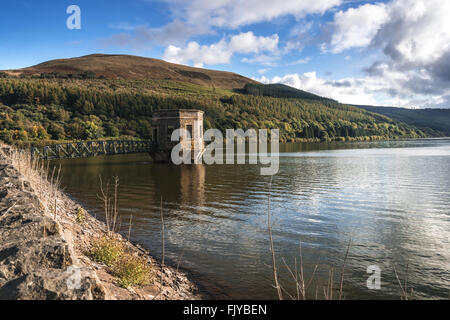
51,284
36,261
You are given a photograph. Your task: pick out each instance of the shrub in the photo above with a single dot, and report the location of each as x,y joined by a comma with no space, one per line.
107,250
132,270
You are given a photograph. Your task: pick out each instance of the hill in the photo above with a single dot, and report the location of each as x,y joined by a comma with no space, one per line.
131,67
434,119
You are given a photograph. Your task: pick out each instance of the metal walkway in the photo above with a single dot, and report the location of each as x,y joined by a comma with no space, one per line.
91,149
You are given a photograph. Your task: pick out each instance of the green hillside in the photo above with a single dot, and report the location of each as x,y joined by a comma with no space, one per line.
37,110
434,121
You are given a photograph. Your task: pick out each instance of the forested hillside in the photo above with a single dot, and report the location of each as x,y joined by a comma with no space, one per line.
426,119
34,110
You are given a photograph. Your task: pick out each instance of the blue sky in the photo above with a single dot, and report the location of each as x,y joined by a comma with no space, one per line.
394,52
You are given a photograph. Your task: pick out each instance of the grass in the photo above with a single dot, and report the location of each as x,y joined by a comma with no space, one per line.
131,270
107,250
43,180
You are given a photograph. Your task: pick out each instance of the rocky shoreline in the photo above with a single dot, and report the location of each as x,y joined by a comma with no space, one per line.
43,247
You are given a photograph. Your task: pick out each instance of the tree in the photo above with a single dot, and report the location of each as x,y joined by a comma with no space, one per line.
111,130
56,131
92,130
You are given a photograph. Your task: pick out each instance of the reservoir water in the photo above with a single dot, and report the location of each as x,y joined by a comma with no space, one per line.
392,199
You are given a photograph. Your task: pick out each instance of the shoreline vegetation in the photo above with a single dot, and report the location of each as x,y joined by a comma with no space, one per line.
68,245
42,143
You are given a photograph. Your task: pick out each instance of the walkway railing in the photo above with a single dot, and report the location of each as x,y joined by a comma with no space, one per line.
91,149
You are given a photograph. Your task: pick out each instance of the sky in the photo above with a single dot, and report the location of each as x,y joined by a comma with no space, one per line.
390,53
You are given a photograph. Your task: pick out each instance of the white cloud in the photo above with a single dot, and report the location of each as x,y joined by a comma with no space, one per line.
301,30
200,17
222,51
413,39
347,90
416,46
249,43
417,30
236,13
143,37
356,27
369,90
124,26
302,61
199,55
262,71
264,59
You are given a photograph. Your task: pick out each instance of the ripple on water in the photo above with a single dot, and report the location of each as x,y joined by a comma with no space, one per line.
391,198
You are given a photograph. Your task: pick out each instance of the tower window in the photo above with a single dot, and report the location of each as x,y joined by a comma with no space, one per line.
170,130
189,129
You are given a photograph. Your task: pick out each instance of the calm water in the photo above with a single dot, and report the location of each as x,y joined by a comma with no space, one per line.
391,198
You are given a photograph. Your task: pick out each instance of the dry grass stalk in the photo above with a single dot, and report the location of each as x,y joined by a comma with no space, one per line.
341,285
45,182
110,205
129,227
298,276
272,250
10,208
302,284
163,244
405,295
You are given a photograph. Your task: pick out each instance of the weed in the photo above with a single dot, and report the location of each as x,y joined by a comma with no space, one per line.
107,250
132,270
81,215
129,269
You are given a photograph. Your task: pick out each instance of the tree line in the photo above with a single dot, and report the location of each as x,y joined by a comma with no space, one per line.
35,110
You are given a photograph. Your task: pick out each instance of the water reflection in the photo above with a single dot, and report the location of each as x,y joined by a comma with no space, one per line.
192,184
182,184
